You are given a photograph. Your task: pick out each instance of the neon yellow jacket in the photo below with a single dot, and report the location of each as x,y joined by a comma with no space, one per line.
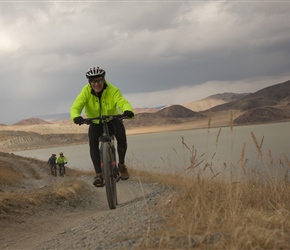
111,102
60,159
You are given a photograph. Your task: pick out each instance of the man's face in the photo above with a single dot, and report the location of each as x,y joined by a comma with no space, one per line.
97,83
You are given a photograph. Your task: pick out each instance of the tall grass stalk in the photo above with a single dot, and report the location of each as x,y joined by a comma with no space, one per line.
258,147
203,212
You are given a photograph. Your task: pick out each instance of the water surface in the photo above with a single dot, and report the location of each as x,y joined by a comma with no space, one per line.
218,150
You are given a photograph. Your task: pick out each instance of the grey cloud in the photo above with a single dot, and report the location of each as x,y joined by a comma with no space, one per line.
145,47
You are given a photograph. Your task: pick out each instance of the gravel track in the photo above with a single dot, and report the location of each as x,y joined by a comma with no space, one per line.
84,223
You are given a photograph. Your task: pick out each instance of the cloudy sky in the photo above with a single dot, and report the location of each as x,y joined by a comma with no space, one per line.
156,52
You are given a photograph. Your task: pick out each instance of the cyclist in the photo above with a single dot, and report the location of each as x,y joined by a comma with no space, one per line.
61,159
99,97
52,162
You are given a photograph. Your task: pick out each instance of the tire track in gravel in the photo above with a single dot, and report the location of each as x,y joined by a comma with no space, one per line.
91,224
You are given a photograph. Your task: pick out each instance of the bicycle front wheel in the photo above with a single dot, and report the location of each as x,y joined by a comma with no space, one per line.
61,170
110,180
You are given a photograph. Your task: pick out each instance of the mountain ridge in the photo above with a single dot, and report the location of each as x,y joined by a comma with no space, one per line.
269,104
195,106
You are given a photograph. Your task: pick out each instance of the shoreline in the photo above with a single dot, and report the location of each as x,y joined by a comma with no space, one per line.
74,129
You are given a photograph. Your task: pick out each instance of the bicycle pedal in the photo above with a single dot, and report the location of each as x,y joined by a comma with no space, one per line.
99,185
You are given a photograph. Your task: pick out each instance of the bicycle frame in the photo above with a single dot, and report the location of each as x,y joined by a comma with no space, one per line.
61,169
53,170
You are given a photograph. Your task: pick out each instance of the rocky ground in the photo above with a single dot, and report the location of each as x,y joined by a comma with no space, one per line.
80,221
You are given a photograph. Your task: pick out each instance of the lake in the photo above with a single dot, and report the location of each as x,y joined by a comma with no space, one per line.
221,152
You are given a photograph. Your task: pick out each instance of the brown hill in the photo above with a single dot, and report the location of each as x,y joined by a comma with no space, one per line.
212,101
229,97
174,114
266,114
270,104
145,110
31,121
177,111
21,140
267,97
203,104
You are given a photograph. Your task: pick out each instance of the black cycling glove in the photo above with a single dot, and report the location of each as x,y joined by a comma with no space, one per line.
128,113
78,120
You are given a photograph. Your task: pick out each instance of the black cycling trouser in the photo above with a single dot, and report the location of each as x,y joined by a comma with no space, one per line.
96,130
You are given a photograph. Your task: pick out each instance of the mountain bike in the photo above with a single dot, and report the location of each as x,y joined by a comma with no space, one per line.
61,169
53,170
108,157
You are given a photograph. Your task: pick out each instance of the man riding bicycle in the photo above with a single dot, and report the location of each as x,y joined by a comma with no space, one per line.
52,162
99,97
61,159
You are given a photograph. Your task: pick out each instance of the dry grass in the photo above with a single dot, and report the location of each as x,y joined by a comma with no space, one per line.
208,214
236,219
18,202
8,175
74,173
20,198
202,212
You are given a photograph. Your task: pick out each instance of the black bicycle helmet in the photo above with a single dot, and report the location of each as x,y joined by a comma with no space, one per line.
95,71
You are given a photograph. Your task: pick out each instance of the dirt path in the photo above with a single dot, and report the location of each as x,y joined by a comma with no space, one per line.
87,222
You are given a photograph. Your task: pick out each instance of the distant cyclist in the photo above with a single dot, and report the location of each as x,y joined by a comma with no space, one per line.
61,159
52,162
99,97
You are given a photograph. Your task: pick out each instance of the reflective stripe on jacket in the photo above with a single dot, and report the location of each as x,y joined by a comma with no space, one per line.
111,101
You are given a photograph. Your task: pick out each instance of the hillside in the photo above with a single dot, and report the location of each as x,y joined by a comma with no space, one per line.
146,110
203,104
271,96
270,104
174,114
22,140
212,101
229,97
31,121
264,114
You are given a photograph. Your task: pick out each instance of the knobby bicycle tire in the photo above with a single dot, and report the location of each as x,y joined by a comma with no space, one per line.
110,181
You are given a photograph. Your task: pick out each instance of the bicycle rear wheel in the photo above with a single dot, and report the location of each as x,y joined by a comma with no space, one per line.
53,170
110,180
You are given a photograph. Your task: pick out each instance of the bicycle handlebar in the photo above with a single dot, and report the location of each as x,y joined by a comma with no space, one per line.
88,121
